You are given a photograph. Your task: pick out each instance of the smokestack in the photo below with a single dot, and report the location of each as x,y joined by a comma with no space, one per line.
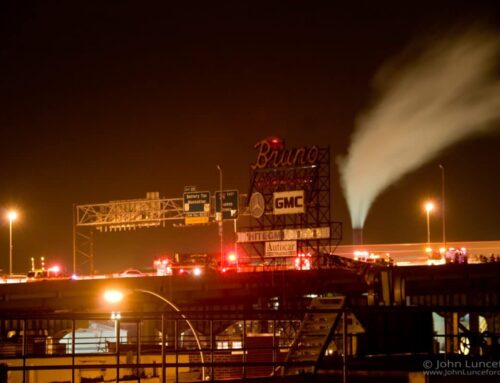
357,236
448,92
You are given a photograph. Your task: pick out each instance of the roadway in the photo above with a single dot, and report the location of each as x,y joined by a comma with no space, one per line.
190,292
454,284
414,253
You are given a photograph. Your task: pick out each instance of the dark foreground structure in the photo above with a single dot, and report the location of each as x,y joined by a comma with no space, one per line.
345,322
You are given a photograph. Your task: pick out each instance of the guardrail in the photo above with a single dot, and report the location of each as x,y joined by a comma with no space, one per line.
235,345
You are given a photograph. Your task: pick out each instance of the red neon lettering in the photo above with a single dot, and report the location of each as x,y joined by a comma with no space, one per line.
275,158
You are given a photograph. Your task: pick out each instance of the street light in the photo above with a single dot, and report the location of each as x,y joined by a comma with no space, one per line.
221,222
429,206
116,316
443,205
116,296
11,216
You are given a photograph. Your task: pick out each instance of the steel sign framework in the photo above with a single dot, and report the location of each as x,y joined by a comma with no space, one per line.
129,214
280,170
118,216
125,215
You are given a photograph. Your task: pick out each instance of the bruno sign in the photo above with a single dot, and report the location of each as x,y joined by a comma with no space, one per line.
278,158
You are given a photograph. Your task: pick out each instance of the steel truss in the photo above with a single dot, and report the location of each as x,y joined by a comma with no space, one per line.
314,179
117,216
125,215
129,214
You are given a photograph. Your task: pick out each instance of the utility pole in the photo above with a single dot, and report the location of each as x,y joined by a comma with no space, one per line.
443,211
221,222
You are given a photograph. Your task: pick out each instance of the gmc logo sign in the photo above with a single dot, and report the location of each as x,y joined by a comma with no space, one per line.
290,202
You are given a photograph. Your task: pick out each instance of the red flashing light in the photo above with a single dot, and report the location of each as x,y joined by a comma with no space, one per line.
303,261
275,143
163,266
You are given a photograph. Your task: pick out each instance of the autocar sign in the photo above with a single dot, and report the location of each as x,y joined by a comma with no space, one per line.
281,249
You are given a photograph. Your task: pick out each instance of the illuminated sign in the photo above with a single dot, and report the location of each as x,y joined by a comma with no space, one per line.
196,207
259,236
281,249
310,233
257,205
289,202
229,204
278,158
284,235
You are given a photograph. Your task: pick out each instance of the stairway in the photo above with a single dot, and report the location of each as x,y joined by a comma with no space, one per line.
314,334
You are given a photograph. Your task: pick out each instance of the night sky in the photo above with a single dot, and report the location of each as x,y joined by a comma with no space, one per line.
109,100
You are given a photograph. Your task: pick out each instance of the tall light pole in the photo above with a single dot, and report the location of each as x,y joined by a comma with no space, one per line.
221,222
428,208
443,205
11,216
116,316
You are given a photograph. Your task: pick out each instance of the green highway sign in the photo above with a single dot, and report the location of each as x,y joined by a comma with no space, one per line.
196,207
230,204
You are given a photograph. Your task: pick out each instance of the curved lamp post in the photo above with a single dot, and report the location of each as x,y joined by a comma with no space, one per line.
11,216
116,296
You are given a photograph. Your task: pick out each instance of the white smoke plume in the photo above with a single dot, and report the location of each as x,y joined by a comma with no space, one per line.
446,93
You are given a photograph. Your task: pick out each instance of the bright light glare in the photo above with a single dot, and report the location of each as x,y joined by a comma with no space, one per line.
12,215
113,296
359,254
231,257
429,206
197,271
54,269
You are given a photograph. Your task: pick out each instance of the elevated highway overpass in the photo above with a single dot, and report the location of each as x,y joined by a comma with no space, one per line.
363,284
397,307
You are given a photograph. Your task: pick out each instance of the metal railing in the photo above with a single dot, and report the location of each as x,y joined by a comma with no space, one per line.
235,345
